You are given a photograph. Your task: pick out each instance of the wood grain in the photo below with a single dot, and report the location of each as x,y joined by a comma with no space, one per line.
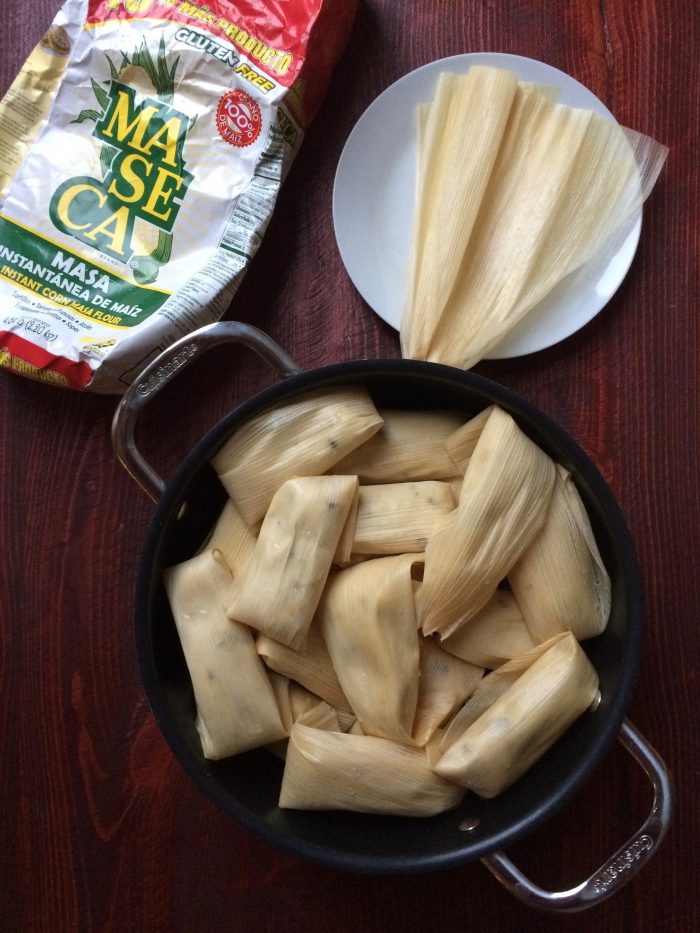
102,831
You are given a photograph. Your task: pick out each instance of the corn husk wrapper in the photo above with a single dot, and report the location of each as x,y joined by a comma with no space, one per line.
284,578
339,771
343,552
232,537
462,442
545,187
497,633
303,437
560,582
410,446
367,619
398,518
309,666
445,683
524,722
236,705
489,689
503,505
297,704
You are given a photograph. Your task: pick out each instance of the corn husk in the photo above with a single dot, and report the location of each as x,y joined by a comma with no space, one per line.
503,505
309,666
462,442
537,202
339,771
464,126
343,552
368,623
522,724
284,578
235,703
297,704
410,446
398,518
232,537
489,689
302,437
497,633
445,683
560,582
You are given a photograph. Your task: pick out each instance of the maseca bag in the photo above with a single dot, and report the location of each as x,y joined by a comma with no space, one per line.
142,149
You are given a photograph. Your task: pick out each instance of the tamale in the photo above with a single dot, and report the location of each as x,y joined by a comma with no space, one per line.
502,506
232,537
367,620
461,443
236,705
490,688
301,437
398,518
286,573
411,445
495,634
341,771
445,683
520,726
309,666
560,582
299,705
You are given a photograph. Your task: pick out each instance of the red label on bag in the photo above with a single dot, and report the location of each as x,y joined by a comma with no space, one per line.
238,118
20,356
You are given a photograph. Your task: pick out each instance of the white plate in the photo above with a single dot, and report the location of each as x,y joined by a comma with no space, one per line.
373,206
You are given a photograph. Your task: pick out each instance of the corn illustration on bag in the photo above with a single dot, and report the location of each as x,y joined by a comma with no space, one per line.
142,149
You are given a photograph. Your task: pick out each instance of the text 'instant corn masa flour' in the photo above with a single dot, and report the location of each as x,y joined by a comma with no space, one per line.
142,149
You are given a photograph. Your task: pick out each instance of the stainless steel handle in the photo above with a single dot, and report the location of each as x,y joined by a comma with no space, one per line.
163,369
620,867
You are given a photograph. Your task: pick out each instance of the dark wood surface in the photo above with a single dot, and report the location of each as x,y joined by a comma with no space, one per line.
101,829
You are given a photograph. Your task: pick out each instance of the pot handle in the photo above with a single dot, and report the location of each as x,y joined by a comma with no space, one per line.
620,867
163,369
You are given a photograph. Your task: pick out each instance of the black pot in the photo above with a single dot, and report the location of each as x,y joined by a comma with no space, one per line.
247,786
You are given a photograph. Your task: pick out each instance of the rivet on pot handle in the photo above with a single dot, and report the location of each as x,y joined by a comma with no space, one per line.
163,369
623,865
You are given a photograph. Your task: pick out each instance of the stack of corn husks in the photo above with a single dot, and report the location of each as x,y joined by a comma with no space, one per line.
515,191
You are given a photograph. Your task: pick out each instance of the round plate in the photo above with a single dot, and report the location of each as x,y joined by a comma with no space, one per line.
373,206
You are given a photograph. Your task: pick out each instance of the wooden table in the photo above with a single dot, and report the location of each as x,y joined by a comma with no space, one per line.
102,830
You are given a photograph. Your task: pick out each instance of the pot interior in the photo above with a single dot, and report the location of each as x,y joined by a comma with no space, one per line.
247,786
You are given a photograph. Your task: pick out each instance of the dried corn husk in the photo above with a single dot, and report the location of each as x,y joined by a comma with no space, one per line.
410,446
560,582
302,437
368,623
309,666
503,505
445,683
466,129
553,189
524,722
495,634
339,771
398,518
284,578
236,705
